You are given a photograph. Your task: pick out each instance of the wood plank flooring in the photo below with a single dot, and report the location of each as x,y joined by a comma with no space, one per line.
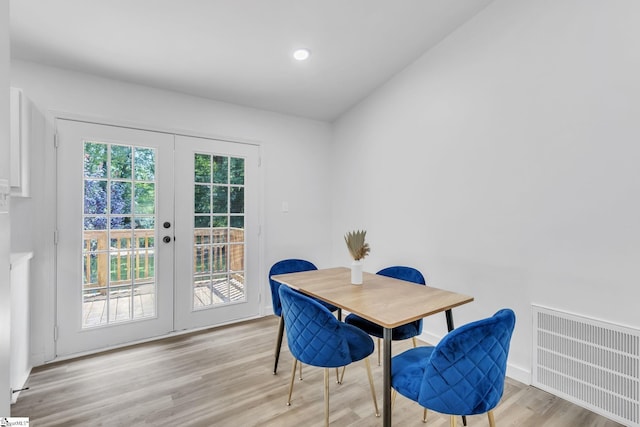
223,377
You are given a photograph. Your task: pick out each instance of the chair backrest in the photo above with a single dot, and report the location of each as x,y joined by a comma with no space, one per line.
409,274
466,371
314,335
283,267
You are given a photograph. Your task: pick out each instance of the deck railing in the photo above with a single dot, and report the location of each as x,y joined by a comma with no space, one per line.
110,257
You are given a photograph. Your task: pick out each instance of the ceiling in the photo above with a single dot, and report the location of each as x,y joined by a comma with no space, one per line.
240,51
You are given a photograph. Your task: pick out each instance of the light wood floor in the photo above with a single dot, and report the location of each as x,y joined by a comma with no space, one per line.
223,377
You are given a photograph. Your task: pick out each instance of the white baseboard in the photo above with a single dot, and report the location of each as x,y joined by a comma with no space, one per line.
428,338
519,374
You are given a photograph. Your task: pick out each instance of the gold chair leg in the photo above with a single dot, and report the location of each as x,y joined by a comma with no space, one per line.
394,394
300,376
424,416
452,421
492,422
415,342
373,390
379,345
293,376
344,368
326,397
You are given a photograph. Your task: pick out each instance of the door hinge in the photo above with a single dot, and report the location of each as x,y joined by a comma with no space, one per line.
55,140
259,161
55,333
55,237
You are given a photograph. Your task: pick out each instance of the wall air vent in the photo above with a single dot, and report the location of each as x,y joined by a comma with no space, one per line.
589,362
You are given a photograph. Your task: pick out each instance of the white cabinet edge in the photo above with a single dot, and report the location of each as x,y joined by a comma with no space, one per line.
19,257
20,338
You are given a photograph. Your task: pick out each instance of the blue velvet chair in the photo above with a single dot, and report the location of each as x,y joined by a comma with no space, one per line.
403,332
317,338
464,374
283,267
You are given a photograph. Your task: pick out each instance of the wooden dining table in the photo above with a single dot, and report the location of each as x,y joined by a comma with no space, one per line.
383,300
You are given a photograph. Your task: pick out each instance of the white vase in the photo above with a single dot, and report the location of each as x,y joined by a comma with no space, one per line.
356,272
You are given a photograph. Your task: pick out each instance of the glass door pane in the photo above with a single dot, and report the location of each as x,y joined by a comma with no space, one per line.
118,227
218,230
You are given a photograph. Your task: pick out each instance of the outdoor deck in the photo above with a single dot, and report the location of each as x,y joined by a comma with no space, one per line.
95,312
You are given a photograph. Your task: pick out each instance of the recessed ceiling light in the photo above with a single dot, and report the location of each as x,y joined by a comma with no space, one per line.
301,54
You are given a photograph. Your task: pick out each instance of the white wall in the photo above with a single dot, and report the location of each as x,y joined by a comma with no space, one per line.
5,295
295,155
504,164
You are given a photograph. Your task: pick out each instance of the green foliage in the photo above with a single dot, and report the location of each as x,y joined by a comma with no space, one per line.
237,171
220,167
145,164
202,199
120,162
202,168
95,160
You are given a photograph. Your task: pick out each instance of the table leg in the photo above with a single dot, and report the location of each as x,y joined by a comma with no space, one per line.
449,316
450,328
386,369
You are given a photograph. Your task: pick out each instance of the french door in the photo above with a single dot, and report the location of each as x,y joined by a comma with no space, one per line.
217,232
143,251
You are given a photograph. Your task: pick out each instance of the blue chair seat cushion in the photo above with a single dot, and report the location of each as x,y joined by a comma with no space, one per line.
398,333
406,368
360,343
316,337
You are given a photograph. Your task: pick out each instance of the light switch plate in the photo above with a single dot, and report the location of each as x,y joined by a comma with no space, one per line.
5,190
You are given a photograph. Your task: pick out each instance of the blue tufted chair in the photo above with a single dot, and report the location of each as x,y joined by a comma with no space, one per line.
283,267
464,374
403,332
317,338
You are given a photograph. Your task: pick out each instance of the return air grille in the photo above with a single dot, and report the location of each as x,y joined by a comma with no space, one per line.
588,362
